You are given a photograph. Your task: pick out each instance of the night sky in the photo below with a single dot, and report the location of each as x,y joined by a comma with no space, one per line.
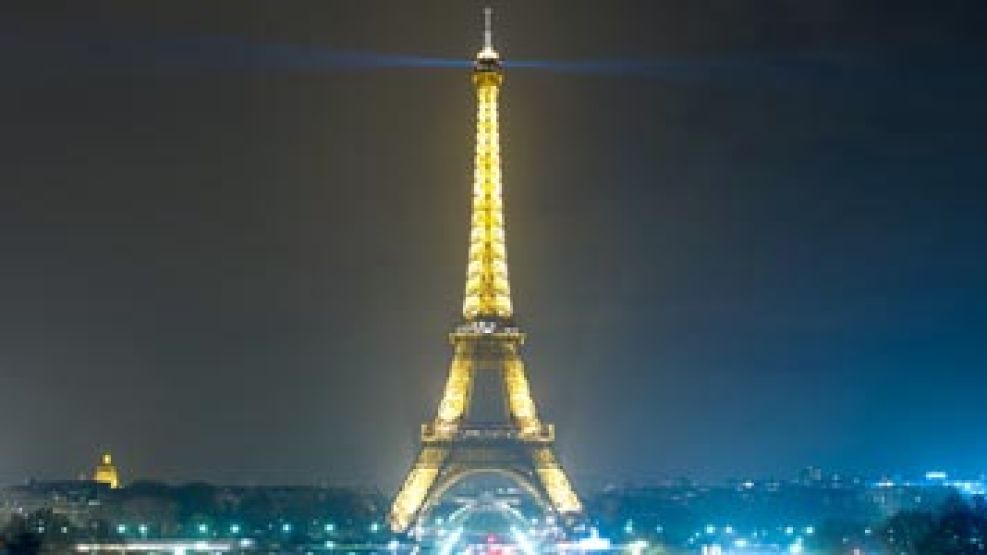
744,237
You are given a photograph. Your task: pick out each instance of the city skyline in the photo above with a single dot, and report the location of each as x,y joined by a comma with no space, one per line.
234,246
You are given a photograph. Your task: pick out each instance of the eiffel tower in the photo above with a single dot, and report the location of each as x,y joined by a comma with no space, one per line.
487,421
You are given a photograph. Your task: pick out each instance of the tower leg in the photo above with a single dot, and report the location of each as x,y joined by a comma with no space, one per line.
456,394
555,482
416,486
522,407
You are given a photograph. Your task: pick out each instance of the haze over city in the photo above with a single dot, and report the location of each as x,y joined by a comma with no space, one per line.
744,238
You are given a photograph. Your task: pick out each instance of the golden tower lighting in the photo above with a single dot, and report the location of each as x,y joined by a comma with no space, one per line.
456,444
105,472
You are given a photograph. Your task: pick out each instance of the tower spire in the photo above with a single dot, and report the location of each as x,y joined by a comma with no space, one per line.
488,292
488,52
487,28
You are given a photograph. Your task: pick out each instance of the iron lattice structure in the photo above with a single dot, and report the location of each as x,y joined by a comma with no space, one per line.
459,442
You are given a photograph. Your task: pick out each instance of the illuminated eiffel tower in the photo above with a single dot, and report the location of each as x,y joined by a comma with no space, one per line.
487,421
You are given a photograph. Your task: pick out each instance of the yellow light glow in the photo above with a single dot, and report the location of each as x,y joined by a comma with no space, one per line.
488,291
416,487
457,389
556,483
106,473
451,447
522,406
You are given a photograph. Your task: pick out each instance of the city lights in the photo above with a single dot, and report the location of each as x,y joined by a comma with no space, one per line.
450,542
753,237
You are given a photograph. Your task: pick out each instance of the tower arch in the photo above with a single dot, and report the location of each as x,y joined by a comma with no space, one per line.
455,477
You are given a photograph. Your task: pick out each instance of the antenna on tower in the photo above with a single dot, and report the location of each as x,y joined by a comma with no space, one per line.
488,52
487,28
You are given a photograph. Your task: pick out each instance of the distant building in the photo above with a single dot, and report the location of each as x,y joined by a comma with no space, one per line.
106,473
811,476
